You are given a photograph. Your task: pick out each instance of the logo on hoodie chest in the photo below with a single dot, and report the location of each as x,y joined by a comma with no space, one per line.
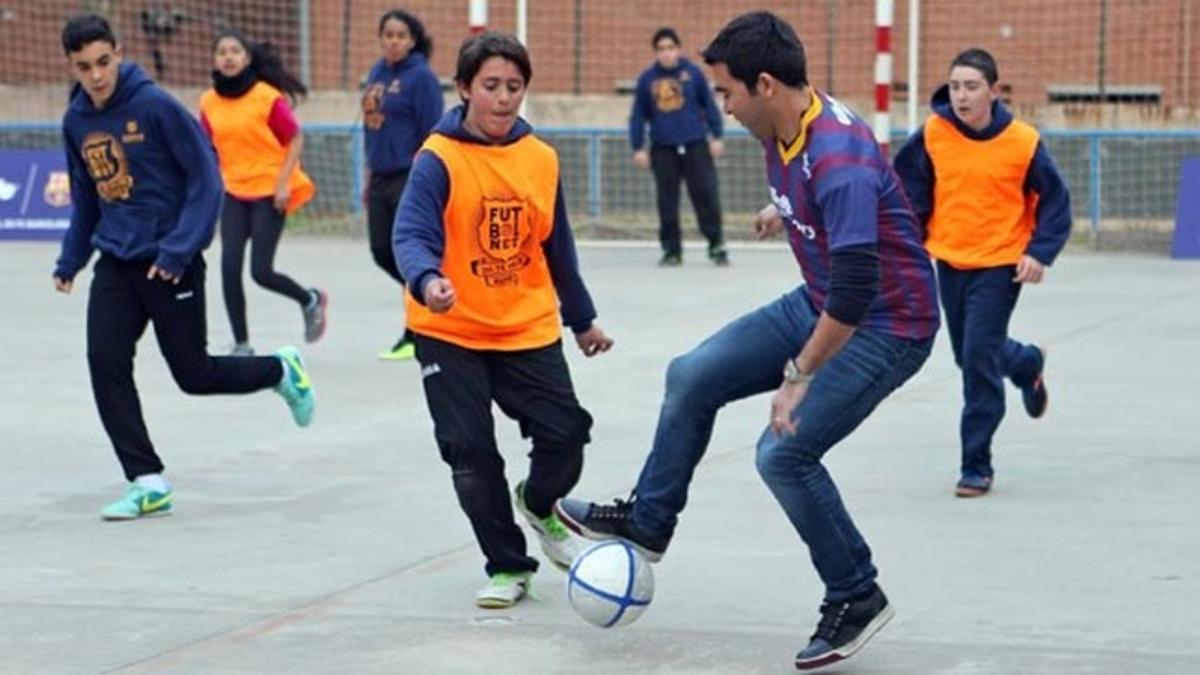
108,166
132,135
372,106
667,93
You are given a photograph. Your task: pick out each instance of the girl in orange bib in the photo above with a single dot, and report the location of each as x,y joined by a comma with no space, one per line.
258,143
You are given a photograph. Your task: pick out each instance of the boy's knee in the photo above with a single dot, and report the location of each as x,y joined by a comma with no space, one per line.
192,381
575,431
469,457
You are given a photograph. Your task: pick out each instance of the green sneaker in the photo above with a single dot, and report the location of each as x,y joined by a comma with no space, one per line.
557,542
403,350
138,502
504,589
295,387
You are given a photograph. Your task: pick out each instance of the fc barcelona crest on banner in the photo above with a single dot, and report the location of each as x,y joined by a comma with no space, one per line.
57,191
502,231
35,194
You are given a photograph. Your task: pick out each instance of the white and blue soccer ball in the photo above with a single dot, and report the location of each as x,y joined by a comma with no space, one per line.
610,584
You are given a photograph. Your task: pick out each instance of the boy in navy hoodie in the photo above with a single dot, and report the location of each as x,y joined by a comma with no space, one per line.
146,193
685,135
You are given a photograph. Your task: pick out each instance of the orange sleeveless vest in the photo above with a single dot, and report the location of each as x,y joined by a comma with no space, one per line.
499,212
981,214
250,155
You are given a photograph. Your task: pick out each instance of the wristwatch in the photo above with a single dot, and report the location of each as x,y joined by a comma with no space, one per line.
793,375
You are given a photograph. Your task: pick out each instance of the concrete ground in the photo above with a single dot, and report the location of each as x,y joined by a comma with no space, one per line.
341,548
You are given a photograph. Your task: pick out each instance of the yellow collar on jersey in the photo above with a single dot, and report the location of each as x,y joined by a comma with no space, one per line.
788,153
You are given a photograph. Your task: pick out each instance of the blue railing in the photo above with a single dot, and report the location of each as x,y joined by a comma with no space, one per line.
1085,169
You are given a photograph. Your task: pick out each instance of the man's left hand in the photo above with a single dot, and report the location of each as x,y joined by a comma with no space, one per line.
784,404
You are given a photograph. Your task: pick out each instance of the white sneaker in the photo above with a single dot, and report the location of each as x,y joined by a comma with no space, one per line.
504,590
241,349
559,545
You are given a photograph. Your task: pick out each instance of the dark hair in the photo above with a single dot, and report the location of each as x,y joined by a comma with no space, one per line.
980,60
85,29
665,32
423,43
759,42
477,49
267,64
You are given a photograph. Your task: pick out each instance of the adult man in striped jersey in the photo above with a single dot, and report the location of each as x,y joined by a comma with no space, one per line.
833,348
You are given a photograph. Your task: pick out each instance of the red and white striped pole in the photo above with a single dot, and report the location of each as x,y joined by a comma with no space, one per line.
477,16
884,12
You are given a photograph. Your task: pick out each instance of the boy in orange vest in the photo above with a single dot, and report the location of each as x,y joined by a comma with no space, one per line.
482,236
996,213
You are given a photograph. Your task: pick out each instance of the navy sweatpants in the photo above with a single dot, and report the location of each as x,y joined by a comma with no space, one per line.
978,305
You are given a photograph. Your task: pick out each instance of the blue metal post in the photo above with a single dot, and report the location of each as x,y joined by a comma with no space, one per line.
356,163
1094,185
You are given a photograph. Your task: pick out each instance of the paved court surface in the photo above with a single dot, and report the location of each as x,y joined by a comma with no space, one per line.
341,548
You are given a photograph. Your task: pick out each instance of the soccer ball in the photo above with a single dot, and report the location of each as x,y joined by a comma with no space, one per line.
610,584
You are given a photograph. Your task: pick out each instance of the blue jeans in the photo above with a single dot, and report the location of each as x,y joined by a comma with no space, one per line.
978,305
744,358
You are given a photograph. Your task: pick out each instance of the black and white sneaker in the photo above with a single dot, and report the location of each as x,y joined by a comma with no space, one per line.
844,628
608,521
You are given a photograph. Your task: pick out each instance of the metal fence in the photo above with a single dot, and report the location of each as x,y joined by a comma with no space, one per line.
1121,182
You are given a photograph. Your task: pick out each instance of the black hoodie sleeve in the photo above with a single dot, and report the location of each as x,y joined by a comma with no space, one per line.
1053,215
916,173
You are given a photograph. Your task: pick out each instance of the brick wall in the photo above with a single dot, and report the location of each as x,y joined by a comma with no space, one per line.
591,45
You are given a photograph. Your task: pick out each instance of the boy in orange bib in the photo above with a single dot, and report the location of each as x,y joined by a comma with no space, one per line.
482,236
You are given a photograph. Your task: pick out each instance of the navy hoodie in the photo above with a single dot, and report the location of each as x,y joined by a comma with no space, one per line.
405,100
1053,216
144,178
419,234
677,103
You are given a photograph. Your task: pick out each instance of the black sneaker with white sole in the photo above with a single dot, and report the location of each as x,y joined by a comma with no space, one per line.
1034,394
601,522
844,628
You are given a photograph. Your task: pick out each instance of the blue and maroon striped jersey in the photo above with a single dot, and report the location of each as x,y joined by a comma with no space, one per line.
834,188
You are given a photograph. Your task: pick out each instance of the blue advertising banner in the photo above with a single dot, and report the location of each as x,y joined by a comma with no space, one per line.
35,194
1186,241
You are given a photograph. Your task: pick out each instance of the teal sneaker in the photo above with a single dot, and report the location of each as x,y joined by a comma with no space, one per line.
138,502
504,589
295,387
557,543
